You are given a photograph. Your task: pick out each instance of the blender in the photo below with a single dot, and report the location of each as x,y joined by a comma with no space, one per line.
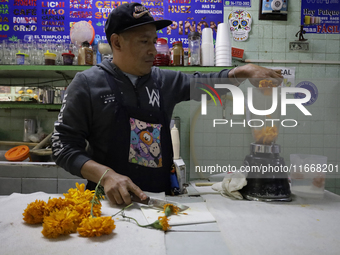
265,179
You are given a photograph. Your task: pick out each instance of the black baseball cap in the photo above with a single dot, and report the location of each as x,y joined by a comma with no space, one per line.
130,15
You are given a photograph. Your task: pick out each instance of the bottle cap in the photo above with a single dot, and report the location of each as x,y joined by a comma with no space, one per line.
175,43
161,41
68,54
47,53
18,153
194,36
20,54
85,44
174,127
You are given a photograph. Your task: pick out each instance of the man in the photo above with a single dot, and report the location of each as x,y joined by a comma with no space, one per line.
123,108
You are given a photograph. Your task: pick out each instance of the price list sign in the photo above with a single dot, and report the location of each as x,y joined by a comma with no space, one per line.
52,20
191,16
321,16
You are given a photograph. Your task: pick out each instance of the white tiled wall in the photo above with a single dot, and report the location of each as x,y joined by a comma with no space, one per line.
267,40
318,134
28,179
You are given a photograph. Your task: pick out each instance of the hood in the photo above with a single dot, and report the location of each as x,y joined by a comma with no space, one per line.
111,68
108,66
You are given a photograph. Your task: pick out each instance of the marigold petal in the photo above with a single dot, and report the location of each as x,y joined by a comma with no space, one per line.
60,222
98,226
34,213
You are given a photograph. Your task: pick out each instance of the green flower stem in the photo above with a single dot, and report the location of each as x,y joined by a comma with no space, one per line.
93,201
122,210
143,226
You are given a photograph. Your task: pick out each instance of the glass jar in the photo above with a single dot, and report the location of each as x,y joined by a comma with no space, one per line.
162,57
194,52
177,56
85,55
50,58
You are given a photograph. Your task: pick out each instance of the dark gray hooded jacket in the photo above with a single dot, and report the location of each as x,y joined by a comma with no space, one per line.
84,115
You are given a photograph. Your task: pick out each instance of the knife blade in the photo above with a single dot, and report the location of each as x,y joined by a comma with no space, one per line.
158,203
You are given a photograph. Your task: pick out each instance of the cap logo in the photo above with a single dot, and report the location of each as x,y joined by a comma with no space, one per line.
140,11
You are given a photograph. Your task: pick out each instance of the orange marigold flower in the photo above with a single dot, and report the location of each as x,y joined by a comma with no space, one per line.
57,204
34,213
96,226
162,223
60,222
84,210
170,209
79,194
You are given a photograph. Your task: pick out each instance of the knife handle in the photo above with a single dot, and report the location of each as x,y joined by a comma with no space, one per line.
135,198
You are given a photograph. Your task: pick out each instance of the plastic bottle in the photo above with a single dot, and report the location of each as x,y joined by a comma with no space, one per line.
175,141
85,54
177,56
163,57
194,52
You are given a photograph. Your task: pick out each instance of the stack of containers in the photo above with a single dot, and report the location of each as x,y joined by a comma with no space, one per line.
162,57
207,47
223,45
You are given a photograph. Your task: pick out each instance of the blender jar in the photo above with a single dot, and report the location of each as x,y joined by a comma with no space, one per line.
265,128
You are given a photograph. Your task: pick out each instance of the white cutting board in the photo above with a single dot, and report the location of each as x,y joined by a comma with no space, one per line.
197,213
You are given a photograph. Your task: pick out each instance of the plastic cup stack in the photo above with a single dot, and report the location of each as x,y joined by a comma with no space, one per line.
223,45
207,47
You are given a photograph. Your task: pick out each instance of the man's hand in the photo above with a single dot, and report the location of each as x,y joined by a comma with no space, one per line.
256,73
117,188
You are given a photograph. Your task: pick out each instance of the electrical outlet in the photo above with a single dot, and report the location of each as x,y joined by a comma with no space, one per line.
299,46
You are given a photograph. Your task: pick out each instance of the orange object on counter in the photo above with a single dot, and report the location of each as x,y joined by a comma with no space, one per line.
18,153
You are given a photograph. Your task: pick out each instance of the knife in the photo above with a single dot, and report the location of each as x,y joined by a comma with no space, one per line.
158,203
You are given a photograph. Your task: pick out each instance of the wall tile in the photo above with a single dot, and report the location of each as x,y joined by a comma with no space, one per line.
10,185
332,46
30,185
319,46
279,32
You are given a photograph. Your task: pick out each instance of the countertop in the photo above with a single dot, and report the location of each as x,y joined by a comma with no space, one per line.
303,226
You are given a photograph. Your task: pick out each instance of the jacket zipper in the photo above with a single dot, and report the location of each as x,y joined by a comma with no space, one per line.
137,96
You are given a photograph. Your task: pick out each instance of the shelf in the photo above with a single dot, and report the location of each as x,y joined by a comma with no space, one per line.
202,69
31,71
58,72
22,105
55,72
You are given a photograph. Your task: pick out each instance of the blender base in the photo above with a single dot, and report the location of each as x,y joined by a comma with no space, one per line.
286,199
268,186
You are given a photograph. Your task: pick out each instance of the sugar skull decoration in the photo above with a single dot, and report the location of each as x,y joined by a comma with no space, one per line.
240,24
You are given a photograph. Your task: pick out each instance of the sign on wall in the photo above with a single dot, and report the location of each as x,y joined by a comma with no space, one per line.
321,16
189,16
52,20
239,3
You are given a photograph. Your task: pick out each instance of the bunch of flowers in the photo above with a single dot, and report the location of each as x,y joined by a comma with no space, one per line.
80,211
